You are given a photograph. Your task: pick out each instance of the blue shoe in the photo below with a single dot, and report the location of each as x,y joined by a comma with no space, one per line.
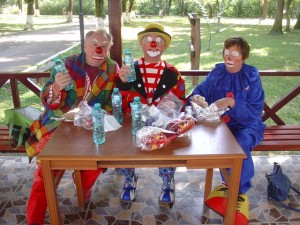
167,196
129,190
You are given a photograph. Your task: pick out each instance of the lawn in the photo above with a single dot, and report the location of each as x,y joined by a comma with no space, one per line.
267,53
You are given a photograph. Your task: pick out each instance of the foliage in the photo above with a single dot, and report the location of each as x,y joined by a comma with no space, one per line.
49,7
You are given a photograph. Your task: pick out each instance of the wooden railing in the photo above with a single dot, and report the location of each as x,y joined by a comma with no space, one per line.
26,79
269,111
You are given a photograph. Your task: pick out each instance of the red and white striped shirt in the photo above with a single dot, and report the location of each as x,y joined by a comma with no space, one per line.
151,74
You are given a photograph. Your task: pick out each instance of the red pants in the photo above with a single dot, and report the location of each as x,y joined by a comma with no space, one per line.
37,202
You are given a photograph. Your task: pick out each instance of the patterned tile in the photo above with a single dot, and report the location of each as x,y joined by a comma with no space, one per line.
105,207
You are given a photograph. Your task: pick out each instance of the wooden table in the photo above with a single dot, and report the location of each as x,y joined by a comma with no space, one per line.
211,145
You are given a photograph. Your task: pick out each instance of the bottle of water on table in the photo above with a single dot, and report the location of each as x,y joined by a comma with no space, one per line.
136,115
98,124
116,99
59,66
128,61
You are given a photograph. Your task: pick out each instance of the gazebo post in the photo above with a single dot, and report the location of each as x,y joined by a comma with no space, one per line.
81,25
114,18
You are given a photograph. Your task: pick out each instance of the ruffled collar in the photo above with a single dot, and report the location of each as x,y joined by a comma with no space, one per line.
220,77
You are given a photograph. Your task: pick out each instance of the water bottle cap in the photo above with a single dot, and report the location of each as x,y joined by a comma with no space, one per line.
136,98
97,105
127,51
56,58
116,89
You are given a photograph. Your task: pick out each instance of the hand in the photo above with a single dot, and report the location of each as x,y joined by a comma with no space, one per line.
62,80
199,100
123,71
224,103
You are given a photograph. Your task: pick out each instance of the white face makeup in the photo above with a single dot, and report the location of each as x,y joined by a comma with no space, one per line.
233,53
233,59
96,49
153,46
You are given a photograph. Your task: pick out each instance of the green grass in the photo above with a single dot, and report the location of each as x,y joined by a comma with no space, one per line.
267,53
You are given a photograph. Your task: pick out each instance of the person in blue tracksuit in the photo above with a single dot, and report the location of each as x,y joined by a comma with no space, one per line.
236,86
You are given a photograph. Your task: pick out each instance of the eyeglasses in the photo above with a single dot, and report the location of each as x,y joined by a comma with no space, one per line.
233,53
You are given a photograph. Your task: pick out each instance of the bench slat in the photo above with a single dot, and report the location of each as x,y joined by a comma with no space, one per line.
283,127
281,137
289,145
282,132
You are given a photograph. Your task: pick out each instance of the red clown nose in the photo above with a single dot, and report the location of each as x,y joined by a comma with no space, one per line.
153,44
98,50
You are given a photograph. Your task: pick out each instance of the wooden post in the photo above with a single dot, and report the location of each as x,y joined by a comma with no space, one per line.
195,44
114,18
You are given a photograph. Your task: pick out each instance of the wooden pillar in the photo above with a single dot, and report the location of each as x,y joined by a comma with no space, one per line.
114,18
195,44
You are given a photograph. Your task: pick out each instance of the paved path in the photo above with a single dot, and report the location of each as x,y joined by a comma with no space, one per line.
22,50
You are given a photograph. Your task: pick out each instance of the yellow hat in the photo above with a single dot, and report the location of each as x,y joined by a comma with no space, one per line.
155,28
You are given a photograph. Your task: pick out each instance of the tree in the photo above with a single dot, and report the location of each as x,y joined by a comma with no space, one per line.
131,9
37,8
70,12
277,26
264,9
162,7
182,8
297,25
99,13
20,6
287,15
30,13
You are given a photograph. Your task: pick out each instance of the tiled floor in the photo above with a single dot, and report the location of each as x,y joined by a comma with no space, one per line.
105,208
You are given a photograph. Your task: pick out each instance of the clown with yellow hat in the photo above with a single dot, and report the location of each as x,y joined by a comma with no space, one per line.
155,79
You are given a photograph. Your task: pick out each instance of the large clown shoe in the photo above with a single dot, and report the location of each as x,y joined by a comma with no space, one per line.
217,199
242,210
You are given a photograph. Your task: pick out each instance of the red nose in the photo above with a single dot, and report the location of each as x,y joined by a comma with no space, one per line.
153,44
98,50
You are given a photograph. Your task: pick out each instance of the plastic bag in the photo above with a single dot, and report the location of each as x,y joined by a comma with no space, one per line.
19,121
83,118
170,106
150,138
210,113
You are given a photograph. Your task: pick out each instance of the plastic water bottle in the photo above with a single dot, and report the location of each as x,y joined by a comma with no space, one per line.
98,124
116,99
59,66
136,115
128,61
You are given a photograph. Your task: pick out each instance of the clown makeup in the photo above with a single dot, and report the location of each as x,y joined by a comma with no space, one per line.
153,46
233,59
96,49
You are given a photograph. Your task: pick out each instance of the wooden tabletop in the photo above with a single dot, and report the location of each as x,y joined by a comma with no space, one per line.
207,139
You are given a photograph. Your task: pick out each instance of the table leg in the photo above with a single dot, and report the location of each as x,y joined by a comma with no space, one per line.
234,183
50,188
78,184
208,182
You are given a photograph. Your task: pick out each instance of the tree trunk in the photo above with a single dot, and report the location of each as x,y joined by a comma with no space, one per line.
287,16
182,8
277,26
30,13
20,5
161,8
297,25
70,12
264,10
99,13
36,8
210,10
